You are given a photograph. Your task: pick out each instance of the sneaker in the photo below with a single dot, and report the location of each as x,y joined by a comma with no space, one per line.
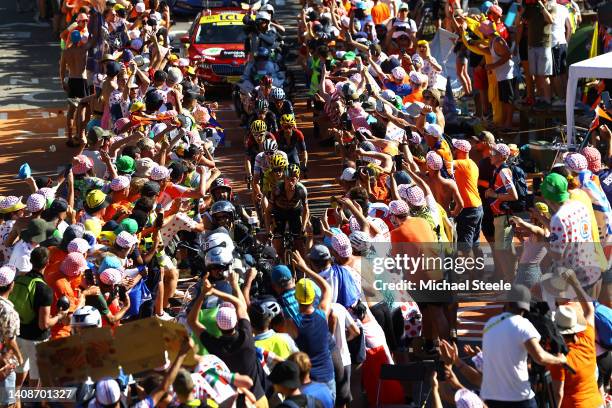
165,316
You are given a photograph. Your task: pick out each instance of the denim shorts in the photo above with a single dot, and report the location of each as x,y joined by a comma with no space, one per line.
7,384
469,223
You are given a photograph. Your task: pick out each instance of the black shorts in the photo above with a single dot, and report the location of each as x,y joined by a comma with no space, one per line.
523,49
77,88
559,54
488,228
283,216
506,90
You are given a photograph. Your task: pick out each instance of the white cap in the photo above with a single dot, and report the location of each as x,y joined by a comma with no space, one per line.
348,174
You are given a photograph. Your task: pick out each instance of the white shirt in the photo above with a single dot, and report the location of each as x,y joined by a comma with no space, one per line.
504,372
560,15
99,167
339,334
20,257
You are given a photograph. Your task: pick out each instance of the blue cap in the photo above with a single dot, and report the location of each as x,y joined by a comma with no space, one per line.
24,171
75,37
484,7
110,261
281,273
431,118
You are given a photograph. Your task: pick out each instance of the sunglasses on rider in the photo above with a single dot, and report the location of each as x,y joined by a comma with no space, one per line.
278,169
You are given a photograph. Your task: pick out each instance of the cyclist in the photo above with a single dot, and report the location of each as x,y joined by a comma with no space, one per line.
262,112
289,205
279,104
291,141
270,176
258,134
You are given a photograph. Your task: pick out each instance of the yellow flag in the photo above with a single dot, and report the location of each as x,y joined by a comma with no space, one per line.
594,41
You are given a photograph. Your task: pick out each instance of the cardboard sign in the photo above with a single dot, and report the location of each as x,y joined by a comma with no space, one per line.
72,359
97,353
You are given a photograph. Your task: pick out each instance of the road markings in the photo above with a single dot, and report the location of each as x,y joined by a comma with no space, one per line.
19,81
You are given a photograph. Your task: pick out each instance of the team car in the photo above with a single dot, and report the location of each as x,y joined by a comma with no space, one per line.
215,45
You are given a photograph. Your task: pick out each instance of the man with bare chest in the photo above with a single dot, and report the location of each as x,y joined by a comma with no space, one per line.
444,190
73,76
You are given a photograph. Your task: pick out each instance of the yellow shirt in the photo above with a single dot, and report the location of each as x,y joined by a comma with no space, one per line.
578,195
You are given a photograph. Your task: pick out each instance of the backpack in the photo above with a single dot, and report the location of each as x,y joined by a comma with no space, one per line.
603,325
519,178
22,297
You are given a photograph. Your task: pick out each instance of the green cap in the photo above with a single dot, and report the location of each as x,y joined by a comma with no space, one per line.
554,188
350,56
126,165
129,224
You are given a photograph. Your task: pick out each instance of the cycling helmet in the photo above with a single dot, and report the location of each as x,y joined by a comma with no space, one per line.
349,91
278,160
359,240
270,307
221,182
287,119
222,206
218,240
258,126
261,105
277,94
219,257
262,52
293,170
266,81
86,316
270,145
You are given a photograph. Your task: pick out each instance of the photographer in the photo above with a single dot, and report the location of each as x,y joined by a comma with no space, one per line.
507,340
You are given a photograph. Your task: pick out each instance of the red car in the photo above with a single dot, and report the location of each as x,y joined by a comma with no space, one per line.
215,45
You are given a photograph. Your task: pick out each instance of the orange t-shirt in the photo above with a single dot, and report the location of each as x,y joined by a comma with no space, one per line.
62,286
414,238
380,13
415,96
466,176
56,256
580,389
112,209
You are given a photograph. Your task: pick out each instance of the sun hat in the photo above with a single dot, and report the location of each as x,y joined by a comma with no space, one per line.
126,165
398,73
462,145
125,240
433,130
566,321
554,188
557,286
78,245
342,245
81,164
36,231
415,138
121,125
46,192
95,200
415,196
399,207
305,291
36,202
74,264
593,157
319,253
286,374
144,166
415,77
120,183
111,276
7,275
348,174
576,162
434,161
501,149
227,318
465,398
485,137
159,173
403,6
108,391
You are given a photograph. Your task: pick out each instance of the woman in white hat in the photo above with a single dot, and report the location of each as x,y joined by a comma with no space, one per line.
579,389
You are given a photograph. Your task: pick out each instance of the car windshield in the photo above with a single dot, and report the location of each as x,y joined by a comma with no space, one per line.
212,33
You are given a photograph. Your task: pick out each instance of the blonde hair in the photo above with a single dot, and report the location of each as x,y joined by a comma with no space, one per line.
303,362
